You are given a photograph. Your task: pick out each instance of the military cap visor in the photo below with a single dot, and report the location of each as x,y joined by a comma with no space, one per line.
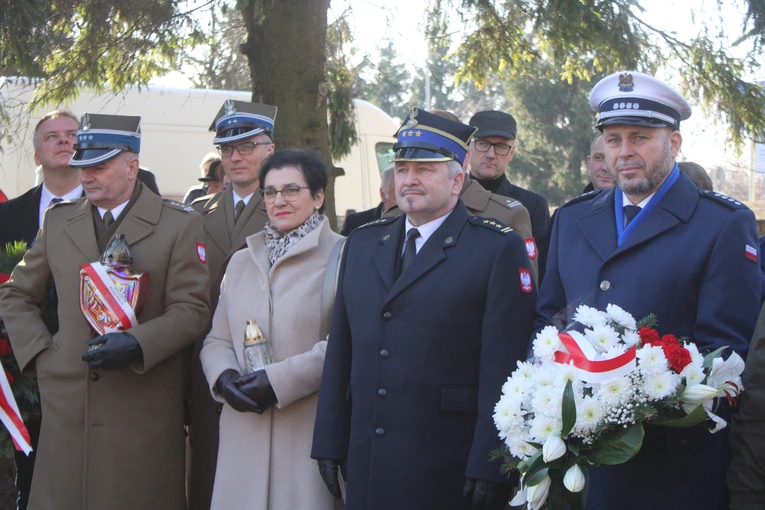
101,138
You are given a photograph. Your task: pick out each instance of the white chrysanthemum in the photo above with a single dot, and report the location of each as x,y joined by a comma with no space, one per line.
547,401
514,387
651,360
620,316
614,392
630,338
693,373
524,370
589,413
508,418
547,342
696,357
589,316
659,386
565,373
615,351
544,426
543,377
602,337
519,448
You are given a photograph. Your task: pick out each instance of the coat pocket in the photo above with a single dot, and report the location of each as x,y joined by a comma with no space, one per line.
459,399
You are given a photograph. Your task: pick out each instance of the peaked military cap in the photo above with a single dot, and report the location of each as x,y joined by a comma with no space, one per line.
427,137
238,120
637,99
101,138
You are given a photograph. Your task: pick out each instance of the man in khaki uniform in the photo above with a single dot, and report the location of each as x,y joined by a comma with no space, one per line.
243,134
112,432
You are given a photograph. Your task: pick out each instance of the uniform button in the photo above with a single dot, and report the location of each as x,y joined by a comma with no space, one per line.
382,393
380,432
94,376
387,316
605,285
384,354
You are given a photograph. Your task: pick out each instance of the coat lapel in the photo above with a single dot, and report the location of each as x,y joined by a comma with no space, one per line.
675,207
140,219
389,239
599,226
239,234
82,232
216,224
433,252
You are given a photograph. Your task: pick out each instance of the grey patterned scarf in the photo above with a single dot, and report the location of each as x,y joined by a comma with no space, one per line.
278,243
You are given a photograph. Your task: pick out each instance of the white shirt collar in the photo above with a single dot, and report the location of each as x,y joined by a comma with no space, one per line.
237,198
116,211
46,196
426,230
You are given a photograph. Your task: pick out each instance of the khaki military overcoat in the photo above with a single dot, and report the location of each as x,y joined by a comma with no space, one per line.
110,439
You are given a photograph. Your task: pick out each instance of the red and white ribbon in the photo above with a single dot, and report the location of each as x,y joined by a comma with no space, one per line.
583,356
11,417
110,295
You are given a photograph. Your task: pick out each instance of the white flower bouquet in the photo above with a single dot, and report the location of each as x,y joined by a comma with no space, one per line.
582,400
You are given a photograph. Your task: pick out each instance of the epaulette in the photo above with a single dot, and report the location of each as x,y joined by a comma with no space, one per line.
381,221
722,199
582,198
176,205
505,201
491,224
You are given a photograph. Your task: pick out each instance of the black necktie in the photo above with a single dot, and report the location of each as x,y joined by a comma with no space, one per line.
108,219
54,201
630,211
239,208
410,250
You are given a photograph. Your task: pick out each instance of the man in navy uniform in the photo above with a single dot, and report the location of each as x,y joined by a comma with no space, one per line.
656,244
429,320
244,137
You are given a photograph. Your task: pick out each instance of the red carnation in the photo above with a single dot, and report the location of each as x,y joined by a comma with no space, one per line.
5,347
648,335
9,376
678,358
4,278
669,339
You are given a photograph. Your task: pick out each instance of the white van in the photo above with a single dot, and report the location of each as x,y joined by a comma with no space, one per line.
175,137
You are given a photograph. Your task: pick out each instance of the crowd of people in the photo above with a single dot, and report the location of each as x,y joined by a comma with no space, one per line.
390,343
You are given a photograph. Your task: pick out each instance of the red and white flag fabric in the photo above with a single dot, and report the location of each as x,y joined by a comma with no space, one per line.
590,366
751,253
110,295
11,417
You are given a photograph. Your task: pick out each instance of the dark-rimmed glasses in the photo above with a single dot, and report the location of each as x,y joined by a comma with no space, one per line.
244,149
500,149
290,193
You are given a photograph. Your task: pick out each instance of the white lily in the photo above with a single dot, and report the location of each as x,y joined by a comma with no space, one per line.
554,448
537,495
573,480
696,394
726,374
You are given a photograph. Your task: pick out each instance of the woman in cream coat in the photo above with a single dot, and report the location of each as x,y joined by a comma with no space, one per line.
267,421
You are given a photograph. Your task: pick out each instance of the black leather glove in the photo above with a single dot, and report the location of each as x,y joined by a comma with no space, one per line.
328,472
113,351
487,495
257,388
236,399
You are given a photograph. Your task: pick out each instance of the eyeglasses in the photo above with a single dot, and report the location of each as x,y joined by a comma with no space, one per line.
500,149
244,149
290,193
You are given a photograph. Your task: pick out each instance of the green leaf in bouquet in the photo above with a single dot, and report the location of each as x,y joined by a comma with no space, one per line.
536,478
573,447
709,358
535,464
568,409
677,418
618,446
649,321
556,498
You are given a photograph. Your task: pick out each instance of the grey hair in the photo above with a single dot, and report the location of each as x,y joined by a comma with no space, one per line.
386,180
454,168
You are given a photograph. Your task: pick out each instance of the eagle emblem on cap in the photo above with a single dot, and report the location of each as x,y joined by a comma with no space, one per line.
229,107
85,122
625,82
412,118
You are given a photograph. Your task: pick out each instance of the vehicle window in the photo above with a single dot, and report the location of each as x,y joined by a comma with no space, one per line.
384,151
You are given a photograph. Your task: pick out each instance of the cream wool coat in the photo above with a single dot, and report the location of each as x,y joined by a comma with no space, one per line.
264,460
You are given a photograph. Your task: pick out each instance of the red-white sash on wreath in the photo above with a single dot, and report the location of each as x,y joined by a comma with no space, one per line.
11,417
110,295
583,356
